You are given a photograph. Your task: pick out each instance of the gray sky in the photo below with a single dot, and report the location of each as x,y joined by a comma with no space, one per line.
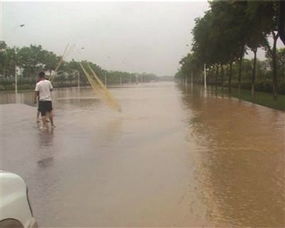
127,36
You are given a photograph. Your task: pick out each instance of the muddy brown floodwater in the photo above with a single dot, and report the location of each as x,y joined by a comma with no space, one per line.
172,157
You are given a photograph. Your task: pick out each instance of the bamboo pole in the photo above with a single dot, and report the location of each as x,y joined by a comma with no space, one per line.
59,62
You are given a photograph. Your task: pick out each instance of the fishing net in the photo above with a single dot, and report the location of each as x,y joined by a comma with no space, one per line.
99,88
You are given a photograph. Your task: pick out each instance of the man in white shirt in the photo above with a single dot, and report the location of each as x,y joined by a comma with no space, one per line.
43,93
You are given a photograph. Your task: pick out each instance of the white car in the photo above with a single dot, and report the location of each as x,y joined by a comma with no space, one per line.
15,208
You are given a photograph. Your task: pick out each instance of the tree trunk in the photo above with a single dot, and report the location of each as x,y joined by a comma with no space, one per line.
239,72
216,78
230,78
253,73
274,66
222,76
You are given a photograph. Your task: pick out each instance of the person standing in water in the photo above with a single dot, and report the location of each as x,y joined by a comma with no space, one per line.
43,95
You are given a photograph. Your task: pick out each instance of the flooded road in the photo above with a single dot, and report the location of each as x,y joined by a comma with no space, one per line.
172,157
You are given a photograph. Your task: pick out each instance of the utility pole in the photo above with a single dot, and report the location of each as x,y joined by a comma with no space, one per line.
78,80
16,77
191,80
105,77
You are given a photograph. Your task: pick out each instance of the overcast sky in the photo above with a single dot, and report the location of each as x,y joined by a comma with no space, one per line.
128,36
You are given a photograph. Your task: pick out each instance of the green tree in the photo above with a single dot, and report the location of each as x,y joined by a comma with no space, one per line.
50,60
265,13
3,56
31,59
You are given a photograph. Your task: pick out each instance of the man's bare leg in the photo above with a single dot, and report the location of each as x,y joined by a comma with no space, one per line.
44,120
38,116
50,114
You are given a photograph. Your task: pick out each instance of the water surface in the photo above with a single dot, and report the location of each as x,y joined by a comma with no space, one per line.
174,156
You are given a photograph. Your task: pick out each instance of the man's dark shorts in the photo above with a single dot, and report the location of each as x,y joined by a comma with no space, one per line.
44,107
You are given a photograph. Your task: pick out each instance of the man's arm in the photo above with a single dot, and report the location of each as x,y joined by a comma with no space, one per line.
37,93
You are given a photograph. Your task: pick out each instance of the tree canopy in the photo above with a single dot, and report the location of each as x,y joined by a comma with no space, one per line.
228,30
34,58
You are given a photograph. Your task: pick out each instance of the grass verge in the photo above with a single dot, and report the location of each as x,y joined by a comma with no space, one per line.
261,98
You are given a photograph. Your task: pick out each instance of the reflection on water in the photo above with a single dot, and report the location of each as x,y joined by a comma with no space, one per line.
242,161
45,147
175,156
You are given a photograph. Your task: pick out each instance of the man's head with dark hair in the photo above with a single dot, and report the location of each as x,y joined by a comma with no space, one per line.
41,74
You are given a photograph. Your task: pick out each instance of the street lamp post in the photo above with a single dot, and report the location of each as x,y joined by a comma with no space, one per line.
205,77
16,78
105,77
78,80
205,81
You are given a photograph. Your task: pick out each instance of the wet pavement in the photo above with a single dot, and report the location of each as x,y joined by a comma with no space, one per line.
172,157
